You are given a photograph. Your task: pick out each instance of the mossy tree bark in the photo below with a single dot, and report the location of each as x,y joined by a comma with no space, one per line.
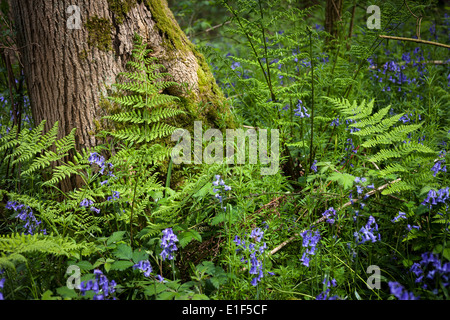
68,71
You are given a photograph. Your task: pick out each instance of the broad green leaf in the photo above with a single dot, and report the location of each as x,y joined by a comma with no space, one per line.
123,251
121,265
344,179
116,236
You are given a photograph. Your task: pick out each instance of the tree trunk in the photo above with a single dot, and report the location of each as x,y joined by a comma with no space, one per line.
68,71
333,14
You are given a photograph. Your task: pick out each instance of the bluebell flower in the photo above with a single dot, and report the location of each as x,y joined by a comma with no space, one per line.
406,57
257,234
144,265
399,291
328,213
313,166
253,251
235,65
409,227
168,244
400,215
301,111
310,240
97,159
440,196
366,233
335,122
2,284
324,295
160,278
101,286
359,189
26,214
438,167
115,196
219,182
430,271
86,203
94,209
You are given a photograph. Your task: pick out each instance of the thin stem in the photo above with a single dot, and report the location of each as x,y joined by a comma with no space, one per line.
312,103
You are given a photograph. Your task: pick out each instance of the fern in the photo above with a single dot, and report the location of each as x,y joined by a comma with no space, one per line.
47,244
145,108
387,141
35,151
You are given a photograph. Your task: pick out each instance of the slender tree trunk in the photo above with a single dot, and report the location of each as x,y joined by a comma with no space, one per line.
68,71
333,14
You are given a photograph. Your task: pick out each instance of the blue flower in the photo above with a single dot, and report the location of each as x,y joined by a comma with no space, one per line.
328,213
86,203
409,227
115,196
302,113
219,182
440,196
400,215
310,240
257,234
2,284
399,291
160,278
438,167
101,286
145,266
366,233
25,213
168,244
94,209
253,252
313,166
324,295
335,122
97,159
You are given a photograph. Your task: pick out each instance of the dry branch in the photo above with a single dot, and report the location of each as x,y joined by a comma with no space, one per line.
322,219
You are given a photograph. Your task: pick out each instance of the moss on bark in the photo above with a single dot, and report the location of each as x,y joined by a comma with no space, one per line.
99,31
120,8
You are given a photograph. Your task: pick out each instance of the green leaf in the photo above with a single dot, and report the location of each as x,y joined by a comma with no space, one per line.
198,296
167,295
344,179
66,292
187,236
116,236
123,251
121,265
203,191
151,290
48,295
85,265
139,255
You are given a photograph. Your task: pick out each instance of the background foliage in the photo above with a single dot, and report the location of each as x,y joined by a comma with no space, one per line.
364,127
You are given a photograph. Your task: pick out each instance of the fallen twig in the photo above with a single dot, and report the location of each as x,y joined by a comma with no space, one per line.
322,219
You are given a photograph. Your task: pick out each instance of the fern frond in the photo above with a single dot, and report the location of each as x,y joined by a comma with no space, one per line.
46,244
